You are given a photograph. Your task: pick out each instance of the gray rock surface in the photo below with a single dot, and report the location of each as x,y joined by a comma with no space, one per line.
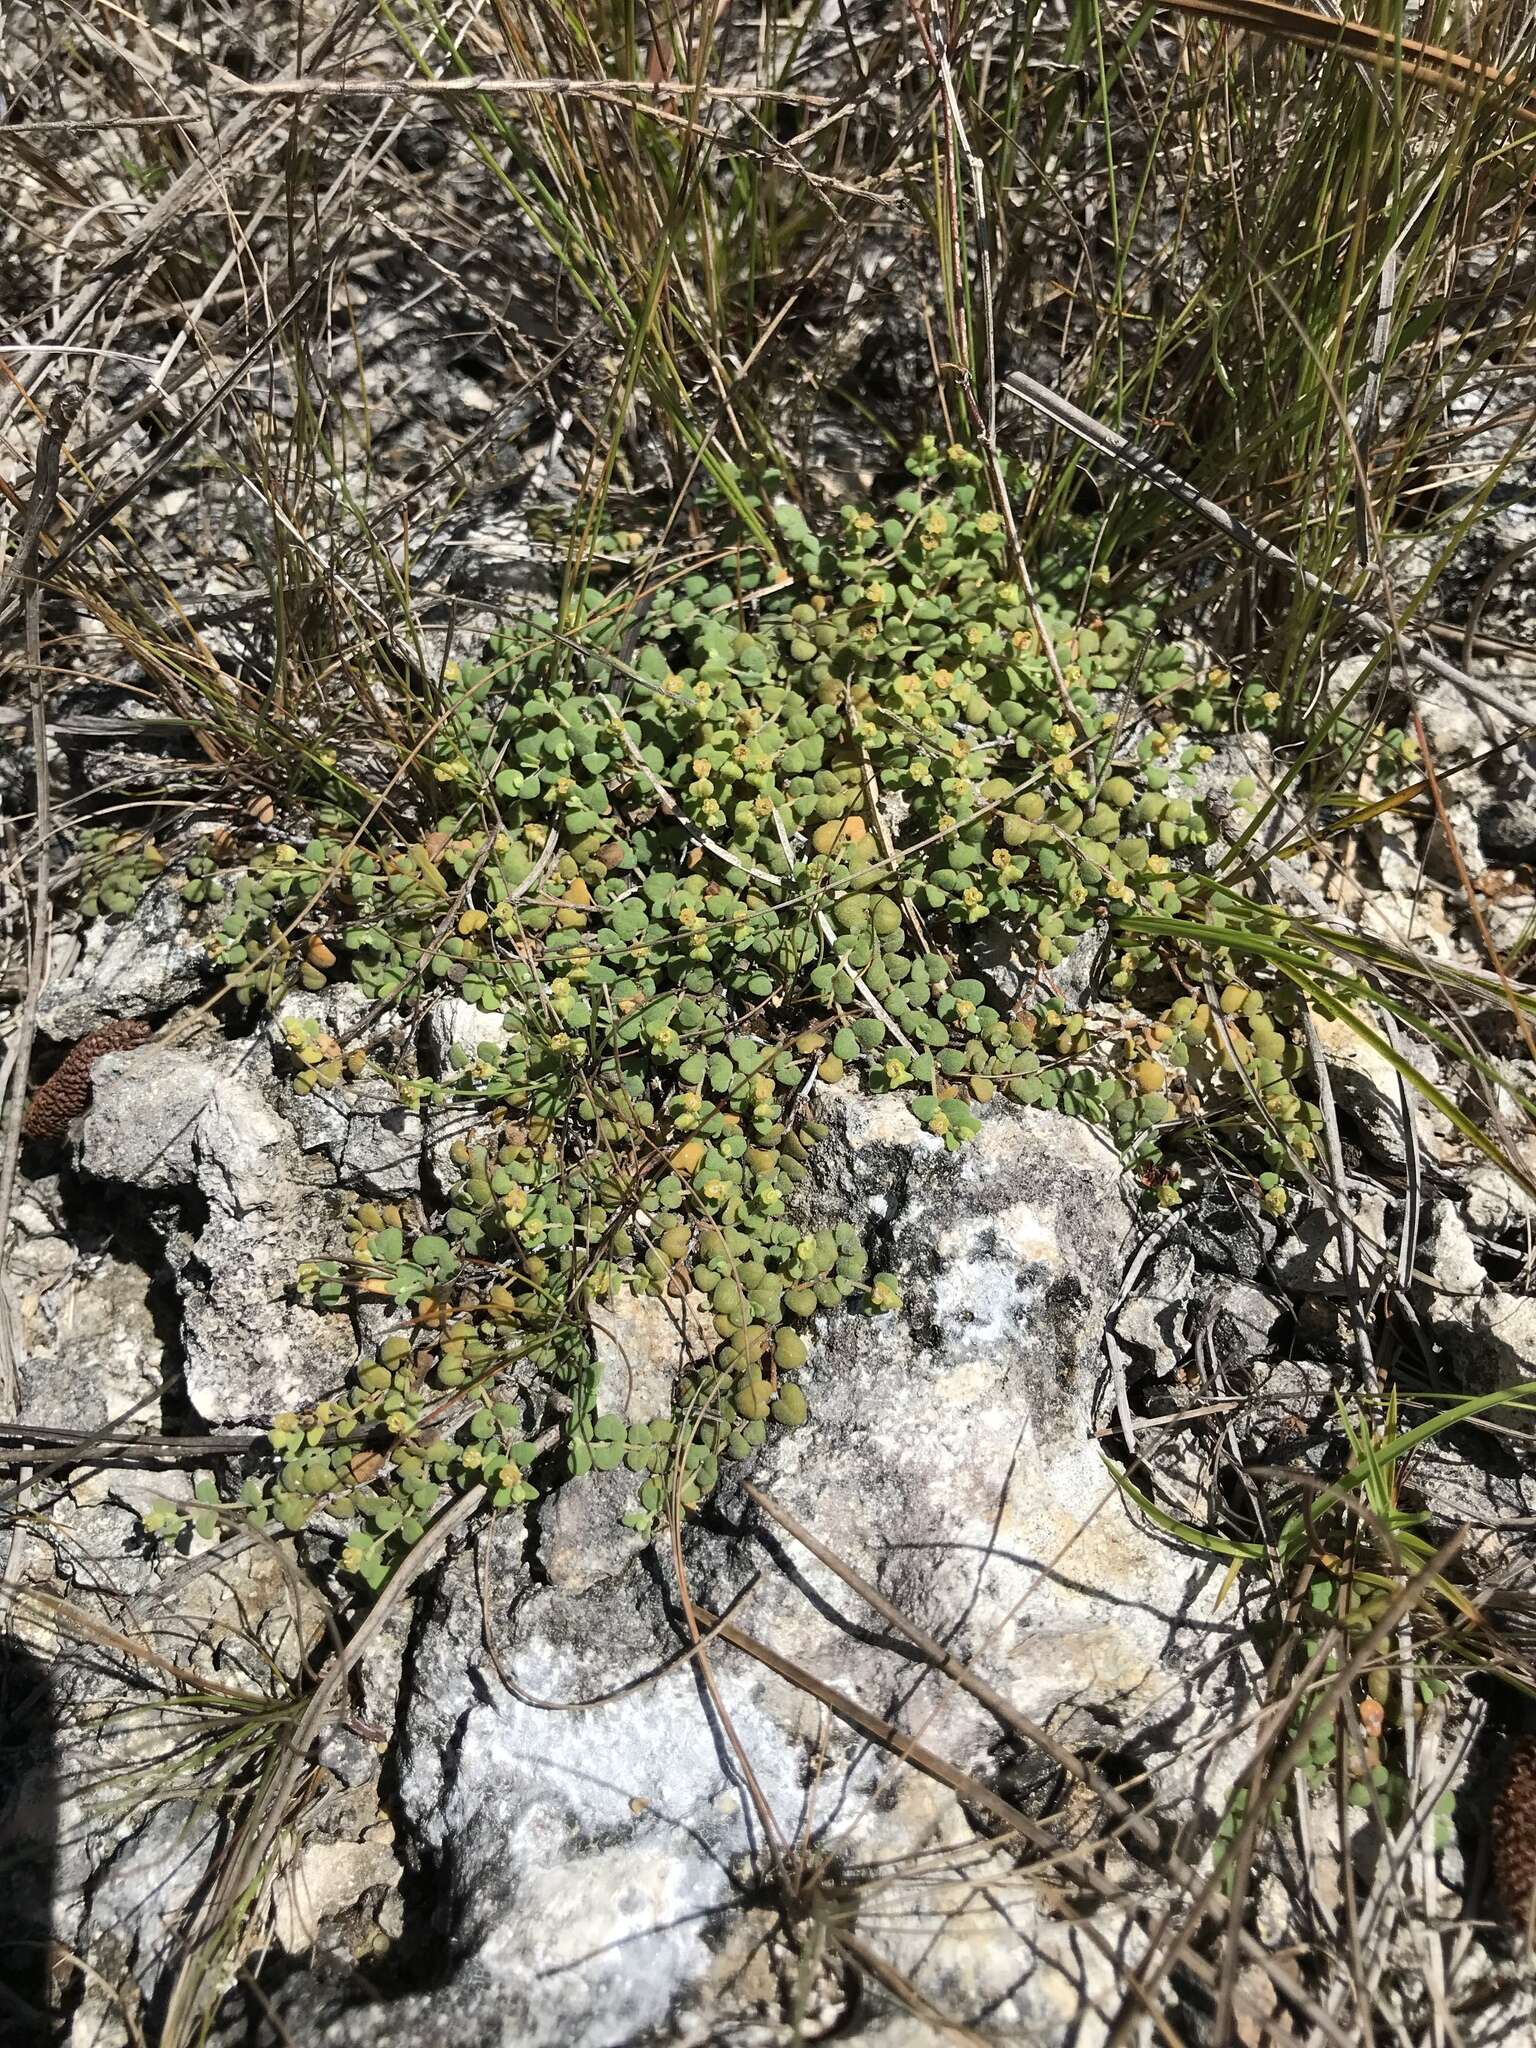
1155,1314
1291,1411
363,1128
342,1009
381,1153
1172,1316
1495,1204
197,1125
1506,824
106,1846
1486,1334
89,1351
146,1882
1310,1258
582,1539
1243,1320
1491,1341
1229,1233
1448,1267
452,1025
642,1342
1367,1089
141,966
1002,948
594,1872
372,1140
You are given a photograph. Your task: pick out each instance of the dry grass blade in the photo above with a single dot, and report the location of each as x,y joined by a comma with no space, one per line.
1267,1777
494,86
968,1788
1425,63
29,1603
1076,1862
875,1965
87,1444
1174,1868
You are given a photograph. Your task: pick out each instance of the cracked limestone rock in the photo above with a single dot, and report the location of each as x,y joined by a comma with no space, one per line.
367,1133
1488,1334
1310,1259
90,1350
361,1125
141,966
1485,1334
197,1126
1496,1204
453,1025
381,1153
1506,822
1366,1087
1155,1315
641,1342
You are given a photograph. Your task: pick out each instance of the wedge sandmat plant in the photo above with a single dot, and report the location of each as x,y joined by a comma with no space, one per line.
704,845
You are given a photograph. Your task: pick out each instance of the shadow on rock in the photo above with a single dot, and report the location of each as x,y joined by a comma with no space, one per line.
29,1810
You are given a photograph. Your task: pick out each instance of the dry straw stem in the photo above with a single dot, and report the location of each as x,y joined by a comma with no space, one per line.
1424,63
29,1604
1145,1831
621,90
238,142
1076,1861
25,572
111,1446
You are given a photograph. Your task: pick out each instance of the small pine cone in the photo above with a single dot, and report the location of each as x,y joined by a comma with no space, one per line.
68,1089
1514,1833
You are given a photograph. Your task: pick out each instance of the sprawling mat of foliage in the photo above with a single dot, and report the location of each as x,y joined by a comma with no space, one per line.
704,851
